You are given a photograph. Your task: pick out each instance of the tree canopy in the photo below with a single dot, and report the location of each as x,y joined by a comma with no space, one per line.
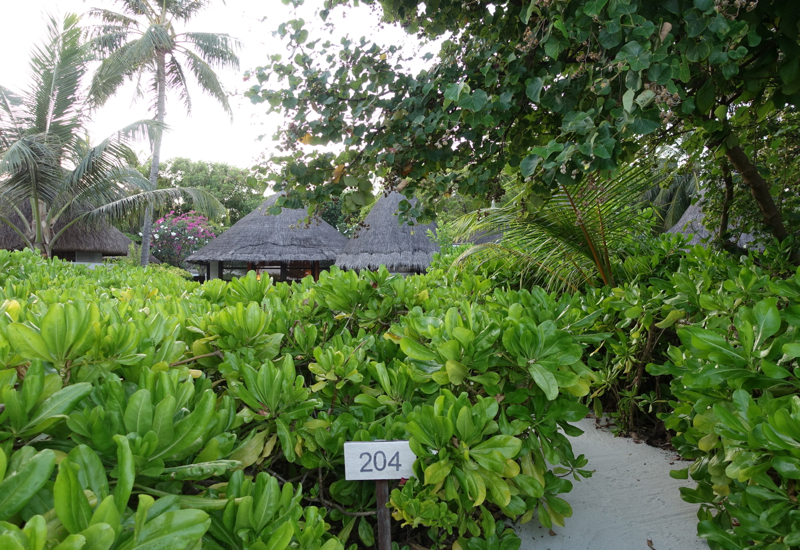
549,92
226,183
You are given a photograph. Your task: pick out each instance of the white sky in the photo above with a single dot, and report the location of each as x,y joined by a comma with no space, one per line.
208,134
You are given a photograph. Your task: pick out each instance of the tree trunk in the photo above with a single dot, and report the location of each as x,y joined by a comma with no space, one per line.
160,113
759,188
760,191
722,237
727,177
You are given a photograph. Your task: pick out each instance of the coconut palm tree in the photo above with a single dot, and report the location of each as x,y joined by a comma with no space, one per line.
141,43
48,169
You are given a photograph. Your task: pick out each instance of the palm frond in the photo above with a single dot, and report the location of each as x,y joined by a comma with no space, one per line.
207,79
218,50
576,238
132,207
114,19
57,68
183,10
138,7
176,80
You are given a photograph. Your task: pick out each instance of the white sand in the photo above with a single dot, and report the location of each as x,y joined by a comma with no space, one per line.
630,500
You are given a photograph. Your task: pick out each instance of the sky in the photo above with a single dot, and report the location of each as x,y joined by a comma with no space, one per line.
209,133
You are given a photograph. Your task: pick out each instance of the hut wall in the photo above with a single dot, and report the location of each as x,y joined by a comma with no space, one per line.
88,257
214,270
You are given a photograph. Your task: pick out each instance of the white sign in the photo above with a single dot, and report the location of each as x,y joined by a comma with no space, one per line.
378,460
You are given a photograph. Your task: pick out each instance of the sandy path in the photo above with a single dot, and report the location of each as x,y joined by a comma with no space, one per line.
629,501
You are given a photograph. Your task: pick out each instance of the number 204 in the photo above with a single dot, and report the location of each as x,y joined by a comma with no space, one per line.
378,460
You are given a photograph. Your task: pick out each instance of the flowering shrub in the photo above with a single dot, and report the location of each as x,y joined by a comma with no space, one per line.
175,237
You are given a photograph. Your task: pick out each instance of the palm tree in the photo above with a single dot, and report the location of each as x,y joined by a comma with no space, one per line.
142,42
48,169
579,236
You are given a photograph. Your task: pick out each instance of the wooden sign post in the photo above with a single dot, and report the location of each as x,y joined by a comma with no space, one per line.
379,461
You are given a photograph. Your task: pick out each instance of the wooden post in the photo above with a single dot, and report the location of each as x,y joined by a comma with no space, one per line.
384,519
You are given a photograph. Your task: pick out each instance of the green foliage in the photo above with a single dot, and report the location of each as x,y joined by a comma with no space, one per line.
97,370
580,236
547,93
228,184
220,411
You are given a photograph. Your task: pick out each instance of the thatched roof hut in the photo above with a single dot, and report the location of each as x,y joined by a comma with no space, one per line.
267,243
384,241
691,225
80,242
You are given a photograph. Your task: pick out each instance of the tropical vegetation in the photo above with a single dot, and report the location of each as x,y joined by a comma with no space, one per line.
549,92
51,177
140,410
217,412
142,41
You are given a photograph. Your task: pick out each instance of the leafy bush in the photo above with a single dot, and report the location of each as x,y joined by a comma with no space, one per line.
223,408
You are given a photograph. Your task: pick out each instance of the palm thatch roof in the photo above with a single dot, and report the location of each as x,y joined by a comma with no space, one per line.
383,241
99,237
691,225
261,237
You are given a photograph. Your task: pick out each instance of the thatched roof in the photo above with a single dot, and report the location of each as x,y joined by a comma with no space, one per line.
100,237
261,237
691,225
383,241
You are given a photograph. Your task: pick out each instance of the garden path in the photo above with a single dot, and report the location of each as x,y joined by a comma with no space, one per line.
630,503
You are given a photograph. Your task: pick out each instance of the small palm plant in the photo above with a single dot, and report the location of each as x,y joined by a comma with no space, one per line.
49,172
580,236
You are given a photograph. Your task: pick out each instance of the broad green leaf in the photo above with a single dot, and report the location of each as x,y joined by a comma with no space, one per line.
627,100
282,536
18,488
528,165
671,318
788,467
71,504
416,351
706,97
58,404
249,452
534,89
768,320
710,531
99,536
437,472
474,102
189,429
200,470
91,473
139,413
126,473
27,342
175,529
545,380
72,542
36,531
456,372
106,513
506,445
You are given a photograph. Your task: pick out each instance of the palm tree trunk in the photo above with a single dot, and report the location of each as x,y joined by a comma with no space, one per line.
160,113
38,216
